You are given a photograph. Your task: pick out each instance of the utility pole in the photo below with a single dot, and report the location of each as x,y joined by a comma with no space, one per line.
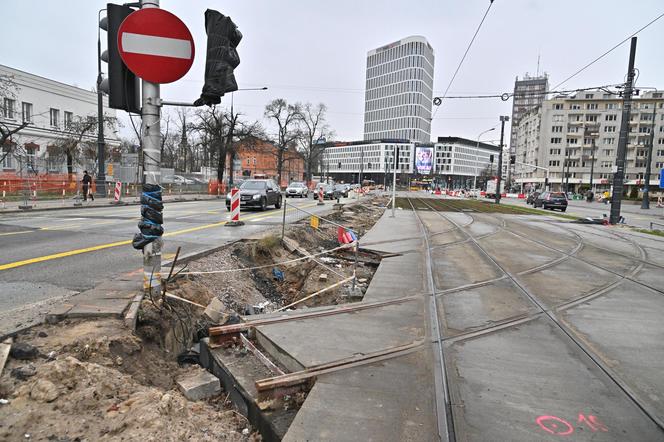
645,204
101,145
503,119
592,164
150,136
568,154
619,175
394,180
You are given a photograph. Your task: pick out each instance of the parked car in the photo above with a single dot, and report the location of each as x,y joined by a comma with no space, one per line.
342,190
299,190
551,200
257,193
176,179
532,197
329,192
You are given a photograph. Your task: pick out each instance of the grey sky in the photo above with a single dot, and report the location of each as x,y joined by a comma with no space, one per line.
316,50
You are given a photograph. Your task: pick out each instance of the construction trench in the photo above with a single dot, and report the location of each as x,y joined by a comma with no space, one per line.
96,379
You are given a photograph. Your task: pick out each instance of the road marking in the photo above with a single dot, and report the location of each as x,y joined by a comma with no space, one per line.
16,233
39,259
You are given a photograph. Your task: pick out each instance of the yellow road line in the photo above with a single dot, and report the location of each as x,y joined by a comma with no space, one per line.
25,262
16,233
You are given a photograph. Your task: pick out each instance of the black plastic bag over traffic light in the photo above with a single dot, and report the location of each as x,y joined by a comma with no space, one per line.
222,57
121,85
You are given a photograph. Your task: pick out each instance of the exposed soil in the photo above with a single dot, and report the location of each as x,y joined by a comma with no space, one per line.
96,380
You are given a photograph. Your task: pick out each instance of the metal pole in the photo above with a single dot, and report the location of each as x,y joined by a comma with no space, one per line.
150,136
503,119
567,172
592,164
394,180
645,204
283,221
101,145
619,175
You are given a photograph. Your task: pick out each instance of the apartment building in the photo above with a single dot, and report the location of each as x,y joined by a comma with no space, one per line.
570,137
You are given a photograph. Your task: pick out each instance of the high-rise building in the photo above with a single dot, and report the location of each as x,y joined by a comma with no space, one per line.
399,89
529,92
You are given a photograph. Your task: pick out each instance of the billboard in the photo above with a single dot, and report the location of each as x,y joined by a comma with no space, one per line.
424,160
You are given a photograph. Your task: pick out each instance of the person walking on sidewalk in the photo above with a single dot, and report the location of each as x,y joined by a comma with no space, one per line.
87,183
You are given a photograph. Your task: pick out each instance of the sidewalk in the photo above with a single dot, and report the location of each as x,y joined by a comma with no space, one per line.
70,203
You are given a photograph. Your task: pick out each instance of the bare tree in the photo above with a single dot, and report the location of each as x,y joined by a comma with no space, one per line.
8,90
313,128
286,117
76,141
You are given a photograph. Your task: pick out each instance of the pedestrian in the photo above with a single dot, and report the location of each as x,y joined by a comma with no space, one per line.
606,197
589,196
87,186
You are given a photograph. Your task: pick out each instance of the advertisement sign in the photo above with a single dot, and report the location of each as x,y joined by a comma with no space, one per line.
424,160
661,179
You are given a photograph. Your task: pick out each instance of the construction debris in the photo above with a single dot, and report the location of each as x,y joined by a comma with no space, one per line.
23,351
199,384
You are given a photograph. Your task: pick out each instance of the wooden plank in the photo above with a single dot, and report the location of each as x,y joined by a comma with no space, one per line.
295,378
349,308
5,347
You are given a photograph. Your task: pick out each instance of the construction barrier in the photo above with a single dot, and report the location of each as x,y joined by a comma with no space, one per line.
117,195
235,208
321,196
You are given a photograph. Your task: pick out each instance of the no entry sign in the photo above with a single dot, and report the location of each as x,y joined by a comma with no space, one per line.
156,45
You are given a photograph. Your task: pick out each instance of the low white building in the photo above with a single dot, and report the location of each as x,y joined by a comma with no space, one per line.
49,107
455,161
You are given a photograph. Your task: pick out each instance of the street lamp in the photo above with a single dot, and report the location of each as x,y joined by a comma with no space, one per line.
477,148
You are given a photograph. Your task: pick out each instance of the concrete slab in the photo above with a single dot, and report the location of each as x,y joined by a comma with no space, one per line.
625,328
481,307
397,277
199,384
461,264
357,404
530,382
516,254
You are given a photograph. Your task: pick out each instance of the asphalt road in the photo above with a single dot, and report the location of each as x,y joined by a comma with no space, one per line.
49,254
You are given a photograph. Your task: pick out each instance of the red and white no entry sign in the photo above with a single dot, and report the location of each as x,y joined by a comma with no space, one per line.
156,45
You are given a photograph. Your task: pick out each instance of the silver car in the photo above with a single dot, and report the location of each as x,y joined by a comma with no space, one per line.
299,190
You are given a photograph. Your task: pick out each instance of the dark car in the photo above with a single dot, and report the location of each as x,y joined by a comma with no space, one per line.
551,200
532,197
342,189
258,194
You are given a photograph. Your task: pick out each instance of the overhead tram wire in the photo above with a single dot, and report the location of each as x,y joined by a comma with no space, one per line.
607,52
465,54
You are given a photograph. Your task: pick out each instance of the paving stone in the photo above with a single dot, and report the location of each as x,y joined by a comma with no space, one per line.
199,384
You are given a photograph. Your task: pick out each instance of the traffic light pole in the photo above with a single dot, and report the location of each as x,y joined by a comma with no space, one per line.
619,175
101,145
150,135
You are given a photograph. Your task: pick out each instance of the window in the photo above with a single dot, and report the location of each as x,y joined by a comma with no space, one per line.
556,128
8,162
558,106
556,140
644,130
30,151
591,106
610,117
554,151
27,112
554,163
608,152
592,118
560,118
8,110
606,164
69,117
589,96
572,141
610,106
575,106
659,165
609,128
55,117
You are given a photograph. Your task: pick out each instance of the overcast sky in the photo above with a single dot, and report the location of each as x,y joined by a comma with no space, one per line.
315,51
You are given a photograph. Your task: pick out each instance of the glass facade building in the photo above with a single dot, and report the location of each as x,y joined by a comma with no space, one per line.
399,89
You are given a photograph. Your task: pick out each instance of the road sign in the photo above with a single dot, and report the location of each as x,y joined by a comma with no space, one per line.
156,45
661,179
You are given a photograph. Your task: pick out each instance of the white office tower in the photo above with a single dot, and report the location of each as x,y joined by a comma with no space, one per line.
399,89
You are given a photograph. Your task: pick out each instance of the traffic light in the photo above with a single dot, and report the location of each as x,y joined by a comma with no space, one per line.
512,159
221,59
120,84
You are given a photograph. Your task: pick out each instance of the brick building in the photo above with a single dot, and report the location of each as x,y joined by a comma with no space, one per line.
258,158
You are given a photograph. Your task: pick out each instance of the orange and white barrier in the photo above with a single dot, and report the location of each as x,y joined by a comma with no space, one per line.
117,195
321,197
235,208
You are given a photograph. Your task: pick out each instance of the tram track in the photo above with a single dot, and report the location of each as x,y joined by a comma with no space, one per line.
550,313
